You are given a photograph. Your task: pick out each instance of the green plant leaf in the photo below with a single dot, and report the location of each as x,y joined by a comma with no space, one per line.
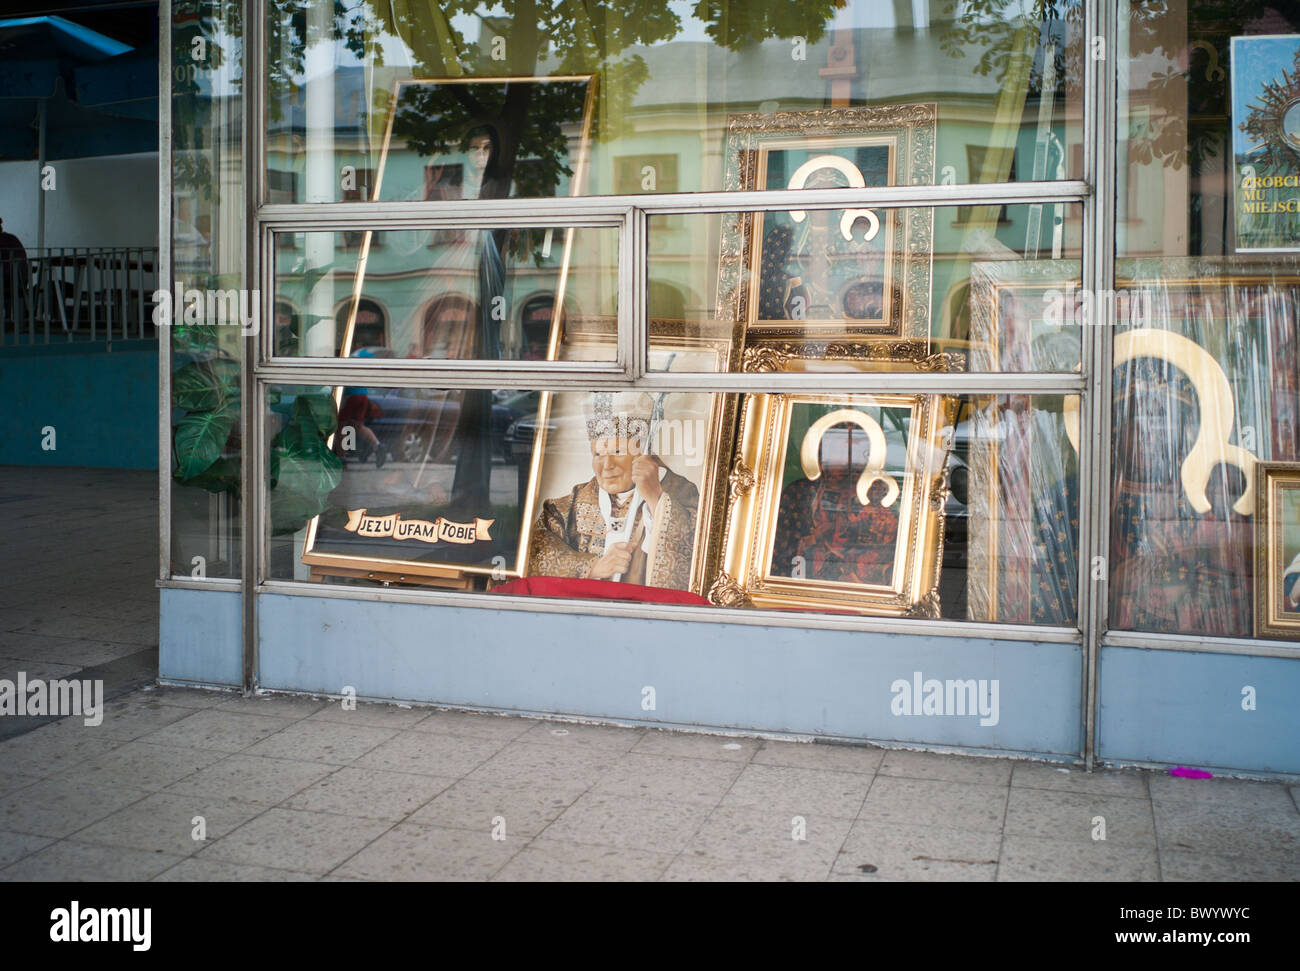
205,385
223,475
316,411
303,486
200,439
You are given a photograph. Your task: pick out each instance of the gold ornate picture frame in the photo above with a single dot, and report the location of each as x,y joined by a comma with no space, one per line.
849,488
1277,550
829,273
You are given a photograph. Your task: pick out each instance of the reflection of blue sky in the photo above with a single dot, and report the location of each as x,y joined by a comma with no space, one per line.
1255,62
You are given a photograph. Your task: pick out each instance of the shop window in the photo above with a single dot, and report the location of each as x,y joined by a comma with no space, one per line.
1207,373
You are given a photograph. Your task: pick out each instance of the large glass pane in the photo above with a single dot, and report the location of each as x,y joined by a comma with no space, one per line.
448,293
1207,366
419,100
990,288
905,505
208,228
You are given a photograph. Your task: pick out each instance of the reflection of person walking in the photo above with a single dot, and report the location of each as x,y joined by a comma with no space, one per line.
14,273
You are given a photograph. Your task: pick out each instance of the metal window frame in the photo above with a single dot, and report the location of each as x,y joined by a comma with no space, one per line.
1094,192
164,280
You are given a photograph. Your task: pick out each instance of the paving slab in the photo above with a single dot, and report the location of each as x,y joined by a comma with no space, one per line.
932,802
1077,816
416,851
293,839
639,824
893,851
799,790
550,860
370,793
87,862
1035,858
482,806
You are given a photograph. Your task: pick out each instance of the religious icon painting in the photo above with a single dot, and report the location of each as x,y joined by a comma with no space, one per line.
836,503
423,496
1277,550
829,272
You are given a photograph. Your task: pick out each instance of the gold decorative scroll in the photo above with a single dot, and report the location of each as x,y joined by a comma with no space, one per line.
439,530
810,459
1217,415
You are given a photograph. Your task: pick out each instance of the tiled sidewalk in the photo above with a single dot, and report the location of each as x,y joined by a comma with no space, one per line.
77,578
301,789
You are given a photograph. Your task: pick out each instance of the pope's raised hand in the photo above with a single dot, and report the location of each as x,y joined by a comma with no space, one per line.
645,476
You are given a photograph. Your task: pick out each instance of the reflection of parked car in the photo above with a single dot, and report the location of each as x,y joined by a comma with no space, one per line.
518,441
415,422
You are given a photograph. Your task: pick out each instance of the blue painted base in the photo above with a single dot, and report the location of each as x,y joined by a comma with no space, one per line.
733,677
199,640
1189,708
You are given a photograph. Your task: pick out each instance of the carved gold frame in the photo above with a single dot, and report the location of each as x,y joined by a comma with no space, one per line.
1272,480
909,233
755,480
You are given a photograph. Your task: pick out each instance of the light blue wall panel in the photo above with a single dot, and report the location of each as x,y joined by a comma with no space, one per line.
200,637
828,683
1185,708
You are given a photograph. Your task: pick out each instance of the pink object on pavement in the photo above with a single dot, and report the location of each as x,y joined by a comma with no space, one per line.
1183,772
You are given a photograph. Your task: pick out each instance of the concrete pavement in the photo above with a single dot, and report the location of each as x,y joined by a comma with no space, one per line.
189,784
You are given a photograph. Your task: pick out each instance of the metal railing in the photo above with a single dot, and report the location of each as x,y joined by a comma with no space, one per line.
89,294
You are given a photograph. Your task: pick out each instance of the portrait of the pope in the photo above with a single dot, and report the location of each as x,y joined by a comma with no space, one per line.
634,520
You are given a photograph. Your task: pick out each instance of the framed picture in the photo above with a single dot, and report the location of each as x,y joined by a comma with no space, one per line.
1022,505
470,138
1265,138
836,502
443,511
829,273
448,139
1277,550
428,501
629,468
1191,338
1026,315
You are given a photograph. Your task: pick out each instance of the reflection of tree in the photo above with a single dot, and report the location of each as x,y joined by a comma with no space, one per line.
991,27
569,37
1188,88
1192,87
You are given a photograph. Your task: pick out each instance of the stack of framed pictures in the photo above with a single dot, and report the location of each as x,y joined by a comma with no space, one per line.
799,501
1204,451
